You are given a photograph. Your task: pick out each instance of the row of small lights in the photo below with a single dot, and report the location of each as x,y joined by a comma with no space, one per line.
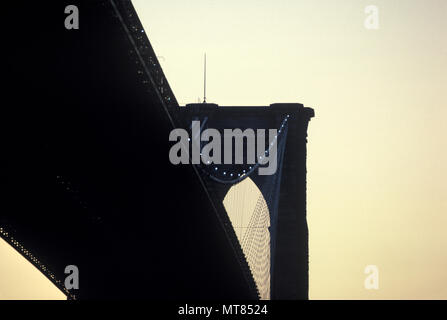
31,257
151,61
260,157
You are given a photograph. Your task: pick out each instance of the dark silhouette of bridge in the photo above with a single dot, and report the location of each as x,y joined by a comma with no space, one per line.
93,108
284,191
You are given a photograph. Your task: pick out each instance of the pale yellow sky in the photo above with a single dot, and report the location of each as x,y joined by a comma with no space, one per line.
20,280
377,150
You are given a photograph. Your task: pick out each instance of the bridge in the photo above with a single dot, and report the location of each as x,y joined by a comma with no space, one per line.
93,107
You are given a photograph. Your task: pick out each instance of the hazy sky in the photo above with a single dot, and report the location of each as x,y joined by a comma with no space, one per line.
20,280
377,146
377,149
